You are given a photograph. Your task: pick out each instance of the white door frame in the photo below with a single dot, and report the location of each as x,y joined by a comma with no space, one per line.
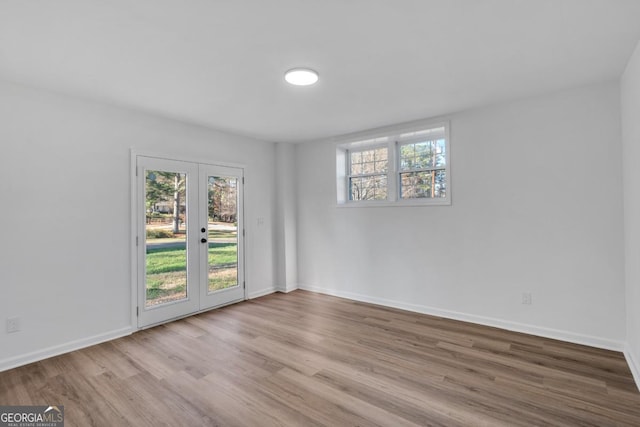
134,228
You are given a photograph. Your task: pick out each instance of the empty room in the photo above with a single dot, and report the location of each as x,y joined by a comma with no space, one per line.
320,213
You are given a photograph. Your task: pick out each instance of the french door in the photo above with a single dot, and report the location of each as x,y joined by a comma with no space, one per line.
190,238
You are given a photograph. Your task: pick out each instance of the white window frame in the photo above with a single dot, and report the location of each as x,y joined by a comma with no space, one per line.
393,139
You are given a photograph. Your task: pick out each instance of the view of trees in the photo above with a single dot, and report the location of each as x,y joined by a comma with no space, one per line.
368,170
426,163
223,199
166,243
166,193
422,172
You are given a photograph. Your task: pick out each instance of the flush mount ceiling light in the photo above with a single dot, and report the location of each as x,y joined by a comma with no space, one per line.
301,76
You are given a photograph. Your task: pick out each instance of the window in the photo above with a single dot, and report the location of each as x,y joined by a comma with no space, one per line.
403,168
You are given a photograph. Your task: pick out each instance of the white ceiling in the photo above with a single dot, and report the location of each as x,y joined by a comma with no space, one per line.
220,63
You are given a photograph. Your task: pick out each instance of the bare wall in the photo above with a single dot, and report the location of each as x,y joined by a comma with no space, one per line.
65,186
537,207
630,101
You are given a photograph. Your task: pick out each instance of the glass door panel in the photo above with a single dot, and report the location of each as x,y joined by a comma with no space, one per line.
168,247
165,237
222,224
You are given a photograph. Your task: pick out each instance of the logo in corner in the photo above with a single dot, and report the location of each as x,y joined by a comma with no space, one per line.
32,416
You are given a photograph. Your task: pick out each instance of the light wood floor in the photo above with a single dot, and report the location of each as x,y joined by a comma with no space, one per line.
305,359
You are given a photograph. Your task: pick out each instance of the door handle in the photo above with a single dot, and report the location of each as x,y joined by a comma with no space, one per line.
203,240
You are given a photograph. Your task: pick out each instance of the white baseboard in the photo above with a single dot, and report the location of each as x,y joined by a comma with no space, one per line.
557,334
261,293
13,362
287,289
634,364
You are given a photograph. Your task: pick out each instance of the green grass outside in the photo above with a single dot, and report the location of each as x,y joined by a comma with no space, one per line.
166,270
165,287
165,260
223,278
222,234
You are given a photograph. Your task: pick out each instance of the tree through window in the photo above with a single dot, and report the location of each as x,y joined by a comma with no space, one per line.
368,174
422,171
407,167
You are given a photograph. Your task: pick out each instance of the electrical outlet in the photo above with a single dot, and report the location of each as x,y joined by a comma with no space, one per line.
13,324
526,298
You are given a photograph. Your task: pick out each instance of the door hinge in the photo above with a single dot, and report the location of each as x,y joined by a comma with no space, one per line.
137,241
243,232
137,311
244,284
136,171
243,179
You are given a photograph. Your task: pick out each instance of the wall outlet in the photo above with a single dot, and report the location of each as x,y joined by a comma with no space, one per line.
526,298
13,324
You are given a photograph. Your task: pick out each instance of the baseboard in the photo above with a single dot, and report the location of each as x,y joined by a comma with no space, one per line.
261,293
287,289
557,334
56,350
634,365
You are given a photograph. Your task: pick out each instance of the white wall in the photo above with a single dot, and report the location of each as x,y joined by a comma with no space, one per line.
286,254
537,206
65,214
630,100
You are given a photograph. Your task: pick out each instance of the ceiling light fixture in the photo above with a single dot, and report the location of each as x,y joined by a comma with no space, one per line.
301,76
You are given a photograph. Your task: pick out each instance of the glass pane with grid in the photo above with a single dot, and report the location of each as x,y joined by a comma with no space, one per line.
422,169
374,161
423,155
426,184
368,187
368,174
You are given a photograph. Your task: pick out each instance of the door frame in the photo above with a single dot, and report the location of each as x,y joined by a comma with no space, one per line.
134,215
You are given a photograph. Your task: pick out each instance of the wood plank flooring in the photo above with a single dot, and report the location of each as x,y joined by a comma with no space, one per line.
305,359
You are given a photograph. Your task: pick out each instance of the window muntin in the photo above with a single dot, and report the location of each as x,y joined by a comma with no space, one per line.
422,169
367,176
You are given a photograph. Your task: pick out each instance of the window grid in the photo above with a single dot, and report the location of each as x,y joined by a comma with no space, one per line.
368,169
422,169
